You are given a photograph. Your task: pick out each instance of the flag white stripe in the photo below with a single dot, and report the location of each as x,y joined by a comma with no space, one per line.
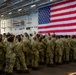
63,22
43,25
63,5
59,23
65,33
62,17
63,11
58,28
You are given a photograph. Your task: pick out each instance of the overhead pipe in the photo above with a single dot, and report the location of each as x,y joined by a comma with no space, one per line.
22,6
47,3
11,4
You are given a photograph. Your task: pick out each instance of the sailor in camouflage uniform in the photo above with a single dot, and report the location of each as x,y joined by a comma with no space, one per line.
41,51
66,50
35,54
20,58
53,45
75,48
44,41
10,56
72,48
2,55
49,54
27,50
58,50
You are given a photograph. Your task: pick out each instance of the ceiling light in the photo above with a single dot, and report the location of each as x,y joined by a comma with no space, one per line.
10,13
33,5
19,9
51,0
5,0
2,15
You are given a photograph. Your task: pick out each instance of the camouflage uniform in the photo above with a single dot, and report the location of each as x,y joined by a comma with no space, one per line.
20,58
71,50
58,51
35,54
2,55
66,50
49,54
53,45
44,41
74,49
41,52
10,57
4,41
27,51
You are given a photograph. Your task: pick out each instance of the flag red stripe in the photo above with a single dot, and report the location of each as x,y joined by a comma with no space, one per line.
63,8
64,19
66,13
54,31
61,3
53,26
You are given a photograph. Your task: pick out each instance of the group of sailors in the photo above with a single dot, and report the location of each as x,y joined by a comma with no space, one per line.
26,51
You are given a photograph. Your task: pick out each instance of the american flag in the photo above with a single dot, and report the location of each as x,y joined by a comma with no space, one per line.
58,18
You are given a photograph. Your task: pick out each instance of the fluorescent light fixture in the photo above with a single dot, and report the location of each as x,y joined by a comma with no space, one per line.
33,5
5,0
51,0
19,9
35,0
10,13
2,15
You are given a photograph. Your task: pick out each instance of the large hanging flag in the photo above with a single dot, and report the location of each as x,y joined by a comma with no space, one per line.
58,18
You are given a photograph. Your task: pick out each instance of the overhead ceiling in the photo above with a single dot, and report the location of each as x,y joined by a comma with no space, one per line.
9,8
